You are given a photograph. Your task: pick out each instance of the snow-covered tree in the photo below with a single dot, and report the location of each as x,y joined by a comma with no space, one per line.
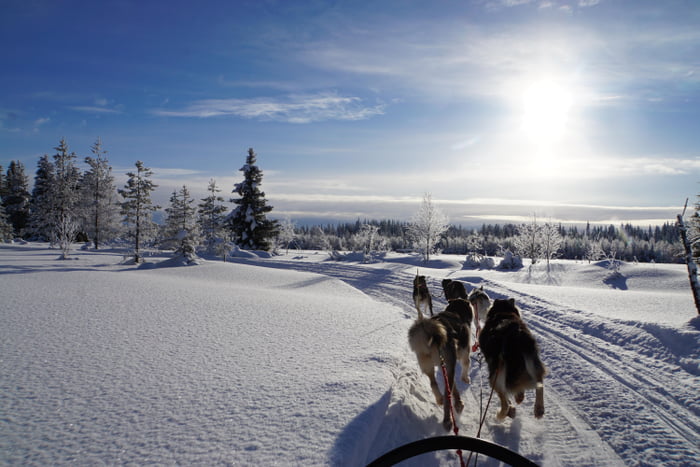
594,250
41,204
427,226
181,231
248,223
287,233
6,230
99,198
137,207
66,196
16,197
689,260
551,241
528,242
212,215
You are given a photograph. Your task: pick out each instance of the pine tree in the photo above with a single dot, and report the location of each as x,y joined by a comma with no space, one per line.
65,194
427,226
181,231
2,184
212,215
101,209
137,207
248,223
6,230
41,204
16,197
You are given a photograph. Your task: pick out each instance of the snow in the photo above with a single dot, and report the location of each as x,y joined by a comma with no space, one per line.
297,360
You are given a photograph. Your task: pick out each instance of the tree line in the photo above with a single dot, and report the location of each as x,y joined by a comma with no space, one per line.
624,242
66,205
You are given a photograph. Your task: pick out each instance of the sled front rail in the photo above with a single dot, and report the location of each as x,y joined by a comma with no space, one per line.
441,443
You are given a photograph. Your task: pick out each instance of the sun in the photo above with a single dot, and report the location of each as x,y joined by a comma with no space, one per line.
545,110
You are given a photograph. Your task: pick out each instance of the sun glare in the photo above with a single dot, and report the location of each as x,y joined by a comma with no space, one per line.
545,108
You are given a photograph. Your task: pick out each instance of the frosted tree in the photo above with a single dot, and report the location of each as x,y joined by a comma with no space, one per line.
366,240
15,197
6,230
427,226
212,215
689,239
41,204
137,207
594,250
552,241
528,241
181,230
66,197
287,233
99,198
248,223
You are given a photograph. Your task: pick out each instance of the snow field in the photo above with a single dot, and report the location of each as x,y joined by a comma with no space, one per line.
295,360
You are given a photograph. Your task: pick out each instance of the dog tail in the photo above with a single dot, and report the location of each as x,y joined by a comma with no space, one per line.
426,335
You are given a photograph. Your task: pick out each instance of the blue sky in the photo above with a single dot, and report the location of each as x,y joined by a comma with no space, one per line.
578,110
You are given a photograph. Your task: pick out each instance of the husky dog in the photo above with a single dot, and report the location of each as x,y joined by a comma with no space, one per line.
453,289
446,336
480,302
512,355
421,295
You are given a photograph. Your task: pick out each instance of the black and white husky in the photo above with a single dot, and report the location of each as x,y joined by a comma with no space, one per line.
513,358
421,295
444,337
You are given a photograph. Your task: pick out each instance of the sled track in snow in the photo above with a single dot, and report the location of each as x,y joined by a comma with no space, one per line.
625,395
605,388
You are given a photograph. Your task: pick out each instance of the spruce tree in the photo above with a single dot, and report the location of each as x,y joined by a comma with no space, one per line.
100,206
41,204
212,214
137,207
65,195
181,229
6,230
16,197
249,225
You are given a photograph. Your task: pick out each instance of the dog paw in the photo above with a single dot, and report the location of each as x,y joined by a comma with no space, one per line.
511,412
466,379
539,411
459,406
439,401
447,424
519,397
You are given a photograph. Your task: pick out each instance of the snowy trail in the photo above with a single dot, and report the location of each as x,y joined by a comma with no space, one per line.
616,388
606,396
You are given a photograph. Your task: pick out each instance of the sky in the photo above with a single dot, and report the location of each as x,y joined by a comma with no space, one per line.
568,110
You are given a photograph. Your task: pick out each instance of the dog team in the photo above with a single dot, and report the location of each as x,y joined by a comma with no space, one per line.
509,348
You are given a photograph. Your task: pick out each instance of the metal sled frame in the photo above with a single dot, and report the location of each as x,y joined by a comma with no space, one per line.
441,443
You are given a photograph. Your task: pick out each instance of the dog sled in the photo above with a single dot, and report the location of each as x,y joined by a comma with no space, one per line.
442,443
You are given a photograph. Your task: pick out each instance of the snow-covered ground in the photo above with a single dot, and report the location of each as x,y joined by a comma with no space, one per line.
296,360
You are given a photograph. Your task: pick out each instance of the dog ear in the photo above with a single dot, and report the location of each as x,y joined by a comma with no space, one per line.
511,301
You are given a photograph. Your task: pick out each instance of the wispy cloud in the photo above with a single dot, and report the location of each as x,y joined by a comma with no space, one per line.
293,109
94,109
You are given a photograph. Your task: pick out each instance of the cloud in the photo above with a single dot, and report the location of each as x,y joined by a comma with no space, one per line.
94,109
305,108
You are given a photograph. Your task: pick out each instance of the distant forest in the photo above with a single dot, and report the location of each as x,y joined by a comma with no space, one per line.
625,242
